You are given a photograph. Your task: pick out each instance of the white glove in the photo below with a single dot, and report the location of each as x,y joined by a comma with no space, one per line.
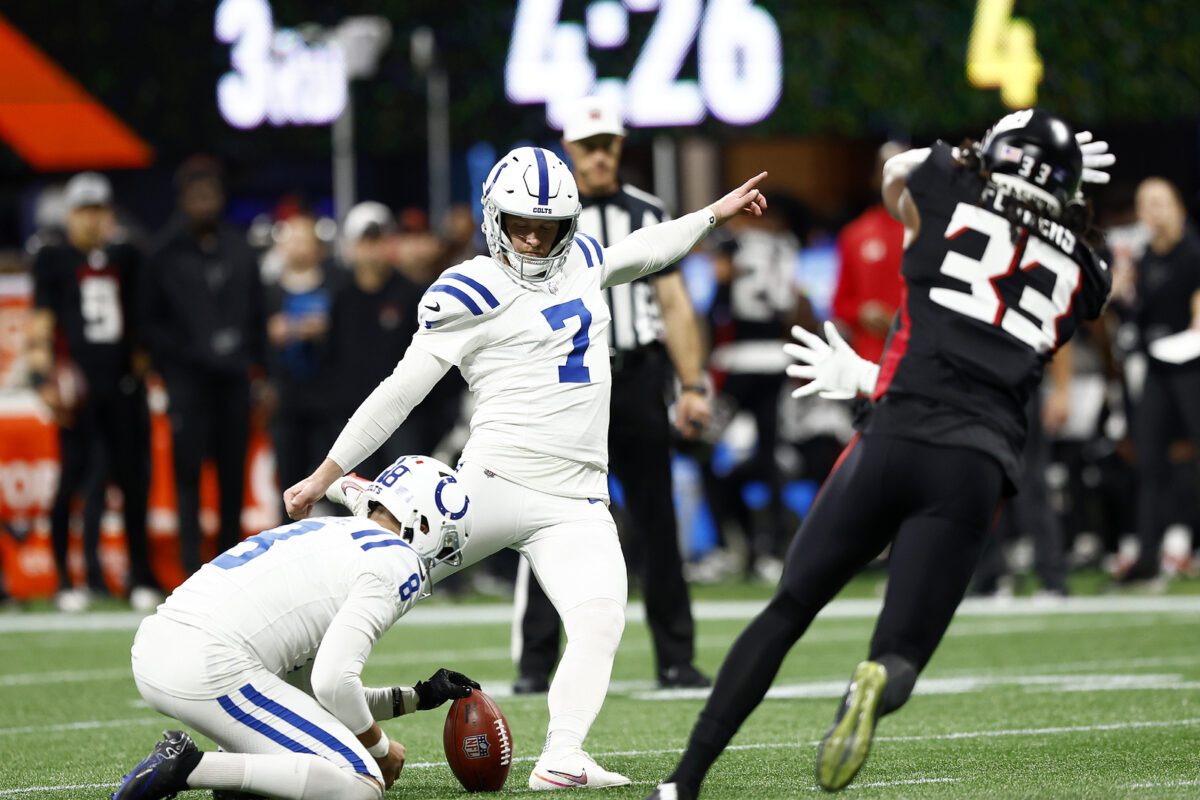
348,491
832,369
1096,158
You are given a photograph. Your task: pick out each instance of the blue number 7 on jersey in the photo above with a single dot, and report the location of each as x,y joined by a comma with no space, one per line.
573,371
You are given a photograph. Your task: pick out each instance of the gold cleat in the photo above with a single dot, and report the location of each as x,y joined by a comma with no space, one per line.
845,747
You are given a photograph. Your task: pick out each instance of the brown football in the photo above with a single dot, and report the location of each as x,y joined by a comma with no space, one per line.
478,743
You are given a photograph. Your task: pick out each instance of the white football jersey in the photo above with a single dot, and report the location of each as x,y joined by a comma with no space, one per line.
536,358
275,594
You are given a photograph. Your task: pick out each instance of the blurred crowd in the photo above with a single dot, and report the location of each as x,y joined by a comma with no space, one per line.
295,321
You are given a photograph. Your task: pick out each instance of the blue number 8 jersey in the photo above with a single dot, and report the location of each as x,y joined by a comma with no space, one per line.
275,594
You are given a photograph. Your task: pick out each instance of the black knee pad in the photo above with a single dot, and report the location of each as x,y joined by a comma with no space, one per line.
901,677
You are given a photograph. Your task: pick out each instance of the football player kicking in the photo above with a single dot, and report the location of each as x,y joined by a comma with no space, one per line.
262,650
997,277
527,328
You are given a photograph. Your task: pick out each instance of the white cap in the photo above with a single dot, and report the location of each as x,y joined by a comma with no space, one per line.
87,189
366,219
592,116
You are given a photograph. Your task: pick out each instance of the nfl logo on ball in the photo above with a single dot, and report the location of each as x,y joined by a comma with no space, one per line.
476,746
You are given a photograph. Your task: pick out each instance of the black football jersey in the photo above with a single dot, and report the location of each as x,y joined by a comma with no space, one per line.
92,296
986,304
757,303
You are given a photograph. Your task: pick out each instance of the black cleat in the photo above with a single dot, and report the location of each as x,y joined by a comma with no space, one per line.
531,684
845,747
164,772
683,677
671,791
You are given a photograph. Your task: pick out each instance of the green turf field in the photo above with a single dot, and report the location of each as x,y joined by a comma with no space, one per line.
1098,698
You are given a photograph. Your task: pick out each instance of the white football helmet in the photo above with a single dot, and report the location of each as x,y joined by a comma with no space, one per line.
424,495
530,182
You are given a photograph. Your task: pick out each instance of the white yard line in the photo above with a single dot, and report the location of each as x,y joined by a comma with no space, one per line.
911,782
1077,666
921,738
710,641
1112,726
72,676
87,725
1161,784
423,656
503,655
491,614
1116,726
966,684
74,787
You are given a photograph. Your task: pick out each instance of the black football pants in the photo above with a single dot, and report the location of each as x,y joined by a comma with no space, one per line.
639,456
1169,407
934,505
757,393
1028,513
110,437
210,415
300,440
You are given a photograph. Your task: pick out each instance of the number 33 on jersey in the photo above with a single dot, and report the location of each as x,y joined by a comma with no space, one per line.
984,299
528,351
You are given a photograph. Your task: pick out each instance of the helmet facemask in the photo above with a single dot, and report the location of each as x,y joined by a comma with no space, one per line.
529,268
534,184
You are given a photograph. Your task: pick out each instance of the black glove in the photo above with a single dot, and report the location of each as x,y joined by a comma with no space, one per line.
443,685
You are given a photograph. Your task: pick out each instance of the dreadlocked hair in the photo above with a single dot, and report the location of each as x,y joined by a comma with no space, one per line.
1023,213
966,155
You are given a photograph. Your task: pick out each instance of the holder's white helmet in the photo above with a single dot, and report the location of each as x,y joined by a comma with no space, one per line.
530,182
430,504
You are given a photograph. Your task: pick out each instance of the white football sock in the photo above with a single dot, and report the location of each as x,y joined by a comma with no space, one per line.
593,634
220,770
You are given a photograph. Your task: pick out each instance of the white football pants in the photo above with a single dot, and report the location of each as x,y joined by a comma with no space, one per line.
572,547
278,740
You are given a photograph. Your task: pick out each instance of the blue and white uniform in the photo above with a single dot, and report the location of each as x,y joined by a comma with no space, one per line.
262,650
535,356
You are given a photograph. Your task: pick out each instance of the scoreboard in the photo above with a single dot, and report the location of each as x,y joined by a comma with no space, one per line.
254,79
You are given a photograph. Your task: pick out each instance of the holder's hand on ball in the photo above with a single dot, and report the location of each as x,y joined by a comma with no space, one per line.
443,685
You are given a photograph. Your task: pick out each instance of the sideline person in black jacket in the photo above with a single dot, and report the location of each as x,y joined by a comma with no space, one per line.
205,326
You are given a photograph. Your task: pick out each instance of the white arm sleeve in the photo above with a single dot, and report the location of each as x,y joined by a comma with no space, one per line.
647,250
901,165
337,669
387,407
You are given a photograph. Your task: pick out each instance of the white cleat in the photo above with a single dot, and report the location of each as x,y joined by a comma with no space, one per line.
145,599
73,601
669,791
572,769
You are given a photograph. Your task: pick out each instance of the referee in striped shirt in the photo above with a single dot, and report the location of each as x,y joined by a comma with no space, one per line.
646,314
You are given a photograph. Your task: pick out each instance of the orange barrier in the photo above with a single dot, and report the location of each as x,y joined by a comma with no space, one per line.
29,471
15,292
